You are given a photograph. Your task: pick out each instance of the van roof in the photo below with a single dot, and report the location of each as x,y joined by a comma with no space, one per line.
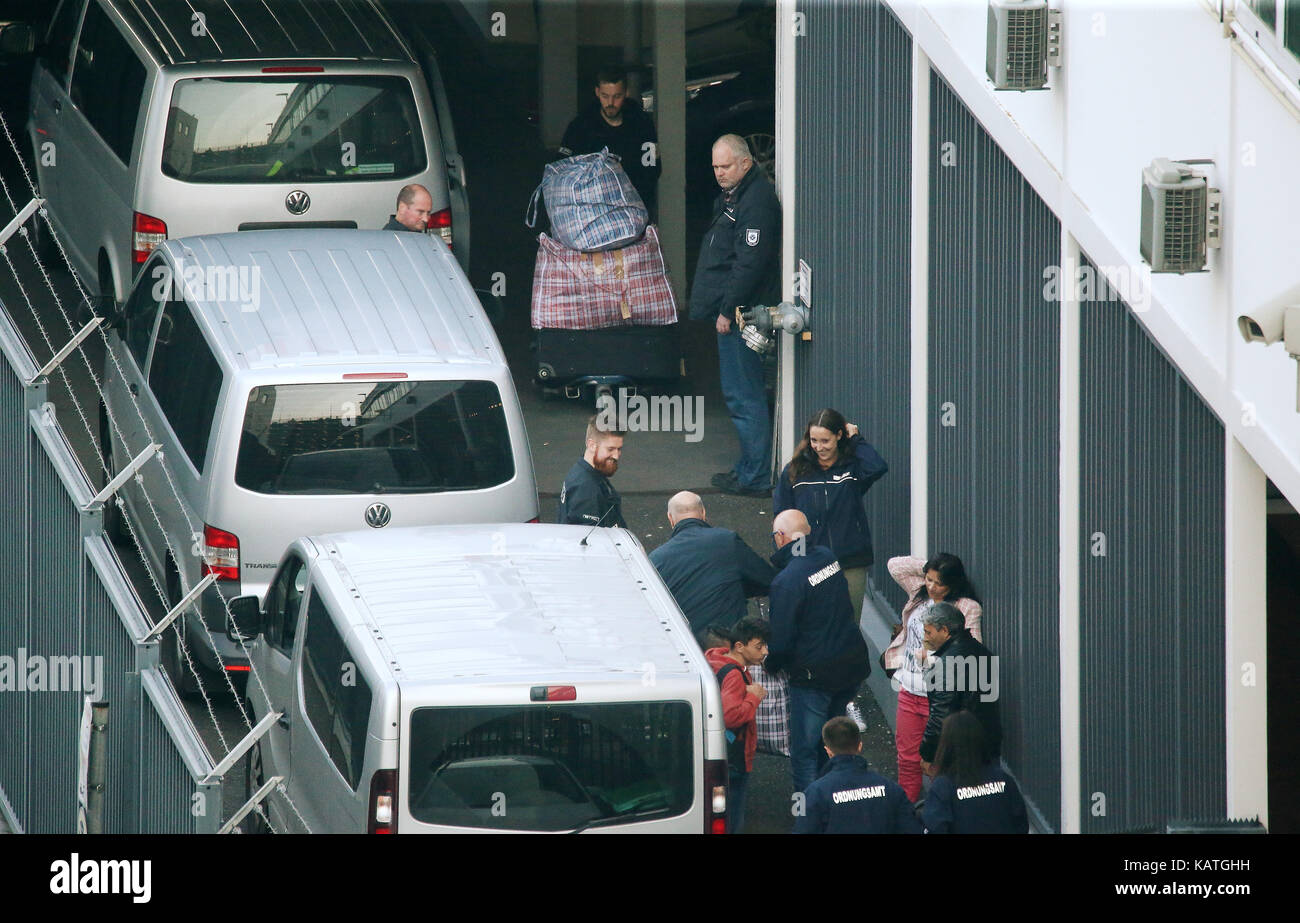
505,600
240,30
313,297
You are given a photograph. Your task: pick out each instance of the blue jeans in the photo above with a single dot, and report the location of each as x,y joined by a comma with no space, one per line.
741,372
737,782
809,710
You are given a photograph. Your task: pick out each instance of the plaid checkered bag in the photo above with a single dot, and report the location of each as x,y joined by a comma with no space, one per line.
773,718
612,288
591,203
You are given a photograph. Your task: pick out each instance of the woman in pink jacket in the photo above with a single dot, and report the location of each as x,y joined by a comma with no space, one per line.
940,579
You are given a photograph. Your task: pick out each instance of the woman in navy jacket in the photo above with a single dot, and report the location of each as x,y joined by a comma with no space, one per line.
971,792
831,470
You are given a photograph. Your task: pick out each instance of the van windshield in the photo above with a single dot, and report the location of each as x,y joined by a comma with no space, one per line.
551,767
292,130
372,437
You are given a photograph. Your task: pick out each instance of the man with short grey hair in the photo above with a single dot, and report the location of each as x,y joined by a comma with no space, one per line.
709,571
953,673
738,268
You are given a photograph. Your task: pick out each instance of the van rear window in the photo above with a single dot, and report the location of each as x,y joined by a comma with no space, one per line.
292,130
550,766
364,437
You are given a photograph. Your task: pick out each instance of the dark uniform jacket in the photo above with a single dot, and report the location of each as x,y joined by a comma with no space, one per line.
992,805
589,133
944,700
848,797
815,634
395,225
587,498
832,501
710,572
740,256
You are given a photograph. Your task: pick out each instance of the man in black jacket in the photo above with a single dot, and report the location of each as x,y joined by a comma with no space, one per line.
960,675
616,121
414,205
710,571
815,639
586,496
849,796
739,267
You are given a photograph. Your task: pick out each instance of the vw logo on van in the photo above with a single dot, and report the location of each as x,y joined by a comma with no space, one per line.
378,515
297,202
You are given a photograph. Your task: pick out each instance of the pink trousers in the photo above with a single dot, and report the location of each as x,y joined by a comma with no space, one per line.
913,712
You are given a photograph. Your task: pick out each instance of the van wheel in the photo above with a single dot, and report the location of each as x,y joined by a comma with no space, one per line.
187,686
114,527
255,778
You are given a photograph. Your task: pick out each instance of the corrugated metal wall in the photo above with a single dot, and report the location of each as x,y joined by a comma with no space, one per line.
13,579
54,525
994,422
853,177
1152,638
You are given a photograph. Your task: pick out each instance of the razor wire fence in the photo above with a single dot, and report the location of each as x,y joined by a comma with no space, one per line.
66,603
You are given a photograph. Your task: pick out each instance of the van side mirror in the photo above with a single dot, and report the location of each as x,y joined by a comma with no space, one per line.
104,306
244,622
493,306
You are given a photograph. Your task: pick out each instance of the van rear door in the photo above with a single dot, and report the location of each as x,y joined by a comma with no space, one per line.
555,757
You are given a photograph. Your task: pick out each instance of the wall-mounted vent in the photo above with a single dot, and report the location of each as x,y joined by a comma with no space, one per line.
1180,217
1024,37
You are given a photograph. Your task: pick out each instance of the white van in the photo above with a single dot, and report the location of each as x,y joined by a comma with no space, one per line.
456,679
300,382
159,119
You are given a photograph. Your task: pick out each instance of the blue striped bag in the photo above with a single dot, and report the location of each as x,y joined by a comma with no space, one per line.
591,203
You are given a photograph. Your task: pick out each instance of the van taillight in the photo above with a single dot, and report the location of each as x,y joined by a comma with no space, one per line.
535,519
147,232
441,222
220,554
383,802
715,796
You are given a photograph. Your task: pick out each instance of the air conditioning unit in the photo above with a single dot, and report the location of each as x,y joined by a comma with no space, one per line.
1180,217
1024,37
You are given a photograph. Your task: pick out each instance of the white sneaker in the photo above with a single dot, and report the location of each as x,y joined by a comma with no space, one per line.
855,713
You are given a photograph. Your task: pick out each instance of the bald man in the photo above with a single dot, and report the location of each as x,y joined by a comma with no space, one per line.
815,639
414,205
710,571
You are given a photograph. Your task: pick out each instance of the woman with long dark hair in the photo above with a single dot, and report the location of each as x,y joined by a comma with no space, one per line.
971,793
942,578
832,468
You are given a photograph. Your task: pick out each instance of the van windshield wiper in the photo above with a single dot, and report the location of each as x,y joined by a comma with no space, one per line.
608,819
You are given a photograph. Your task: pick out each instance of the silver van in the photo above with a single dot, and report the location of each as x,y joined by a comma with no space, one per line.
456,679
160,119
300,382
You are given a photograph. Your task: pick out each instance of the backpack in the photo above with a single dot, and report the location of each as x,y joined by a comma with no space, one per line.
735,741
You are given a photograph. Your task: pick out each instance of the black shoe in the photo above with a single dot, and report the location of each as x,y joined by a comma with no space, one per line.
736,490
724,479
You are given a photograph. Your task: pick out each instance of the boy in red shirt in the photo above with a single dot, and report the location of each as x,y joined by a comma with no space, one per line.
740,698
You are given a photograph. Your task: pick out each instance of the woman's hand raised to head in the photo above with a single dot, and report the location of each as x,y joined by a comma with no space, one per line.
851,429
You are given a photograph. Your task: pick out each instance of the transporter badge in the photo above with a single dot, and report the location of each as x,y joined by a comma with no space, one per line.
378,515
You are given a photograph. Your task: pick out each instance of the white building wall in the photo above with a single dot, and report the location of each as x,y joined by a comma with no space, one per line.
1157,79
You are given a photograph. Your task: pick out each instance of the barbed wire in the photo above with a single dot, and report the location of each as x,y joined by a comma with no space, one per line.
163,594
